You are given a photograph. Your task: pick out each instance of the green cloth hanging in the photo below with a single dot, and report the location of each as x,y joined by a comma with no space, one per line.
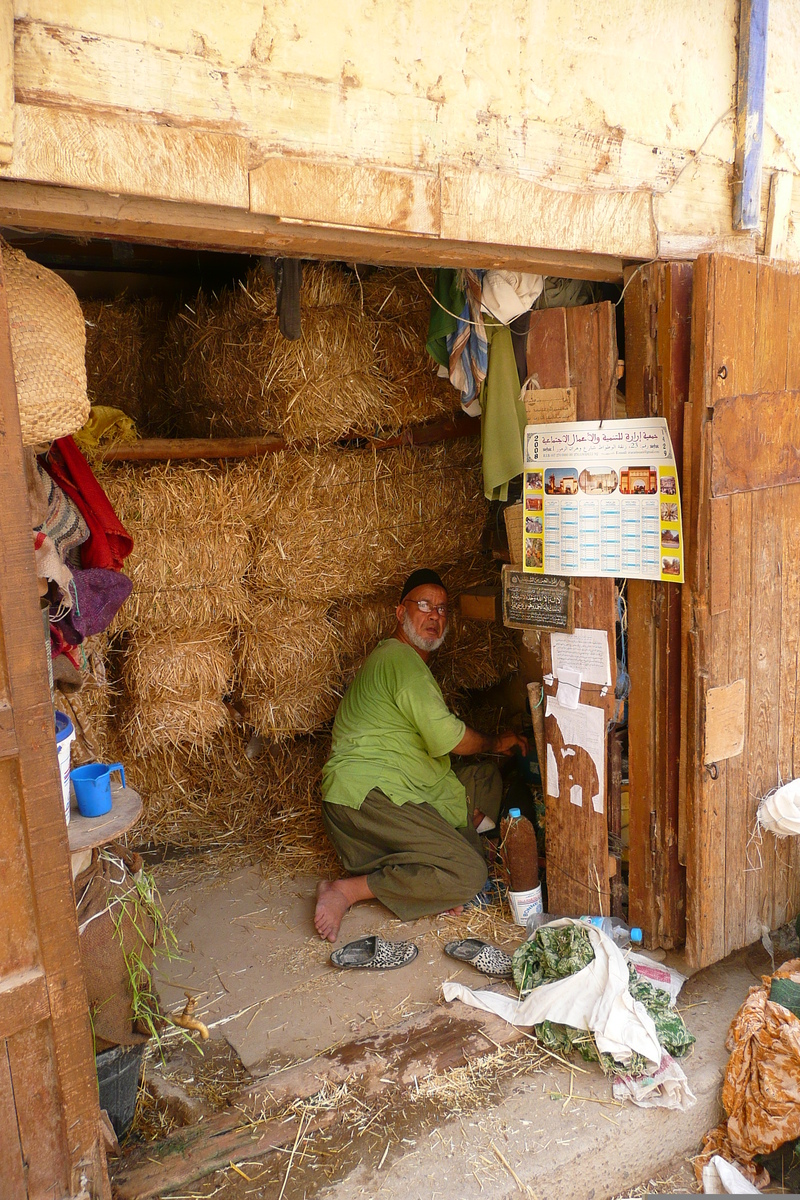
503,417
450,299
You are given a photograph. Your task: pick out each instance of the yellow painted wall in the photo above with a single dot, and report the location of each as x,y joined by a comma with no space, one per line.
582,126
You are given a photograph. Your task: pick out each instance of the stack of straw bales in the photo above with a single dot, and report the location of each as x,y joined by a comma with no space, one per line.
231,372
125,358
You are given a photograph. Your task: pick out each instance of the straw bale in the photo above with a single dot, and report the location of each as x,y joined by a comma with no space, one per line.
475,655
164,666
231,371
399,304
345,523
172,722
190,524
288,654
269,808
125,357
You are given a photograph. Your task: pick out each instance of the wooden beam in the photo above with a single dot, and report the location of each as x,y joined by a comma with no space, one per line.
79,213
175,449
23,1000
750,88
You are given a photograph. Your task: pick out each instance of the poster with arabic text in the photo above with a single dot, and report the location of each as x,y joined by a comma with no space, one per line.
602,499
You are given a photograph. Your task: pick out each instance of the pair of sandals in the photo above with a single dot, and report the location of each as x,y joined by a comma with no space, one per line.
374,953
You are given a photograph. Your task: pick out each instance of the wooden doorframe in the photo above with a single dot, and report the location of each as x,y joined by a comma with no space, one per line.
658,311
50,1139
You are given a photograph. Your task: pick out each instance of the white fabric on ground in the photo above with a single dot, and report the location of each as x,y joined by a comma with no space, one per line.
596,998
667,1087
721,1178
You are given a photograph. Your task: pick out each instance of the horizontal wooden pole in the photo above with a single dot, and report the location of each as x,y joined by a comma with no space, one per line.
79,212
754,442
175,449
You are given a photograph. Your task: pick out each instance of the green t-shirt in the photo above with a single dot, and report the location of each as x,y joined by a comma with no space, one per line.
393,731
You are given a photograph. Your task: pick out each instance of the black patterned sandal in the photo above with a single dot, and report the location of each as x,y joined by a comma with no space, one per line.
490,960
373,953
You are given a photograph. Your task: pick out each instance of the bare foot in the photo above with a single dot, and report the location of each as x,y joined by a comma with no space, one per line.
453,912
332,904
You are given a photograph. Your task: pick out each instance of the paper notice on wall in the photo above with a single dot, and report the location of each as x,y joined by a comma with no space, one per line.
569,687
602,499
576,755
584,651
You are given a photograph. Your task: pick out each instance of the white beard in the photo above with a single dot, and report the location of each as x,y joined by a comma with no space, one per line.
418,642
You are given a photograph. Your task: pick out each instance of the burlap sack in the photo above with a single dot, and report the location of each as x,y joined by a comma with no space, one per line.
762,1081
48,345
99,892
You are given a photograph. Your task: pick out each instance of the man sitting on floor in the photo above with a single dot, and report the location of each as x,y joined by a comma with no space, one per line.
402,822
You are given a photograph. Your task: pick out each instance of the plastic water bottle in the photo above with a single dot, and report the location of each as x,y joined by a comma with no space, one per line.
522,857
617,930
536,919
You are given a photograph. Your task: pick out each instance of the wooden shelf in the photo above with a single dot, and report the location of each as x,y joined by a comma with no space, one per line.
87,832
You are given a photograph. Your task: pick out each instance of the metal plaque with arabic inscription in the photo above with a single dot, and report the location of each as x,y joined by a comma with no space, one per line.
537,601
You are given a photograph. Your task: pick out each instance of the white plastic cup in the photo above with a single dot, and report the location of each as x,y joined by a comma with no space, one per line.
525,903
65,736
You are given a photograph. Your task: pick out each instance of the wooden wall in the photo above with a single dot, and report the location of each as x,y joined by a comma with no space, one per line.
741,611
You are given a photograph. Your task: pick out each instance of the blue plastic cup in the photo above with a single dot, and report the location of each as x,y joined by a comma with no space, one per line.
92,785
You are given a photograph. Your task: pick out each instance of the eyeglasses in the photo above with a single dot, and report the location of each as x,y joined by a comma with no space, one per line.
425,606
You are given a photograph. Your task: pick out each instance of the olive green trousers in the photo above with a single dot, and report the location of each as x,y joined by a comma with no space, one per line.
416,863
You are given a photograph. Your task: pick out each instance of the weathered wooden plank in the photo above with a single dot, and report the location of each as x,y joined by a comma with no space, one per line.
347,194
789,752
778,210
751,78
730,368
547,354
23,1000
754,442
69,1103
156,222
736,831
42,1132
101,65
6,79
657,344
109,154
720,550
12,1168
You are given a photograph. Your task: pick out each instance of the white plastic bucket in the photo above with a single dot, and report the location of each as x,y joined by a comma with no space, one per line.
65,736
525,903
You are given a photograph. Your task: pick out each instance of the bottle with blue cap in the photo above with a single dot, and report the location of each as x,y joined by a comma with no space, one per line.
617,930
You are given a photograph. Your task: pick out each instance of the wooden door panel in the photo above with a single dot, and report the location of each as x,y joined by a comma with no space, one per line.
742,601
657,353
49,1114
576,347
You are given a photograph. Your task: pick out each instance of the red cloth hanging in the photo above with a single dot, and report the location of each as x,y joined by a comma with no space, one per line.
110,543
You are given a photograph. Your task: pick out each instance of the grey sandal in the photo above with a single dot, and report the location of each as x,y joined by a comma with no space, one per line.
490,960
374,954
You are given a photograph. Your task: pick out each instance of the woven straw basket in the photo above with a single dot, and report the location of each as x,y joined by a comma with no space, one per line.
48,343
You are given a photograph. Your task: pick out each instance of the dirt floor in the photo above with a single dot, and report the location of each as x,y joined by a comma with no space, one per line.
508,1121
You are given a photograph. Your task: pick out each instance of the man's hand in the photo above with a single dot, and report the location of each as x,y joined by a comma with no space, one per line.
507,742
485,743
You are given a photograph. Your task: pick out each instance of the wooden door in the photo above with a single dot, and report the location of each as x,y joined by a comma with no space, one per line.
741,603
577,347
658,314
49,1120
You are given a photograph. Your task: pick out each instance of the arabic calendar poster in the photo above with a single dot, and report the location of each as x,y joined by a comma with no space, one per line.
602,499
